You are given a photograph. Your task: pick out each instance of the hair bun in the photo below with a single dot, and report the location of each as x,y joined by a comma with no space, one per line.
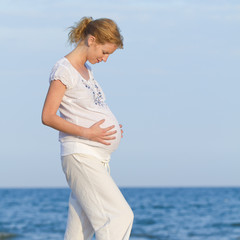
78,30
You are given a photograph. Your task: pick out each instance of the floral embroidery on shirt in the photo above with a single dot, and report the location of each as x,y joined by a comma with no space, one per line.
97,95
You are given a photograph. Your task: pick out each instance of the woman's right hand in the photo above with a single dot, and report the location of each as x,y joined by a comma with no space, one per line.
102,135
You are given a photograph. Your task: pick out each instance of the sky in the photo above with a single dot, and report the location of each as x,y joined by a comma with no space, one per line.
174,88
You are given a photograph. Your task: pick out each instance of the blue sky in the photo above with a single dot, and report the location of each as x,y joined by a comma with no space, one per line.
174,87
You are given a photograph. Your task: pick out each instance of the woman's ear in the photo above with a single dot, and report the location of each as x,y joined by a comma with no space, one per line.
91,40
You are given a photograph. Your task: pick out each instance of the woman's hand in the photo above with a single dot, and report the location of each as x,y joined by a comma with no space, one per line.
98,134
120,125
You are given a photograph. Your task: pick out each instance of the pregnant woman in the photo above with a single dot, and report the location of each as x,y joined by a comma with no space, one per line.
88,133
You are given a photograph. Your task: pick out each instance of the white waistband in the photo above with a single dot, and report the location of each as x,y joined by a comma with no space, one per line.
69,147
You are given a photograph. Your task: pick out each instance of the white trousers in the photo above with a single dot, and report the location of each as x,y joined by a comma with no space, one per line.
96,205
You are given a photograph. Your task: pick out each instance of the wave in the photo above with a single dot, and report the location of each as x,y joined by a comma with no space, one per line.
236,224
144,235
221,225
4,235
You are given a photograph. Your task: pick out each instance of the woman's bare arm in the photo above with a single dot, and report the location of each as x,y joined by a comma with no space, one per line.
50,118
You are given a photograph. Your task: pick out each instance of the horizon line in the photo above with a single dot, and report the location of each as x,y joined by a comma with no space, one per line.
172,186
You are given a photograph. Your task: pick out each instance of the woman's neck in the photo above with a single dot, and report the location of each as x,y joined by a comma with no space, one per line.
78,56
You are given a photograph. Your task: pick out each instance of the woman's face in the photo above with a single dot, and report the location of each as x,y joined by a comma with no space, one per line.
99,52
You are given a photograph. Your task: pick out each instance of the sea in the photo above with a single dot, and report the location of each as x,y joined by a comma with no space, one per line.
159,213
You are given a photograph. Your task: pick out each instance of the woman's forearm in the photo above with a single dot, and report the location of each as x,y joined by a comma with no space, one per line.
63,125
94,133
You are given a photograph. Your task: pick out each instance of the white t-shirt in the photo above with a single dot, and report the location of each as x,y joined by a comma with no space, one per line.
83,104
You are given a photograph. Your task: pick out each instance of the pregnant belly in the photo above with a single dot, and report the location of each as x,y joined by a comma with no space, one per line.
85,119
109,121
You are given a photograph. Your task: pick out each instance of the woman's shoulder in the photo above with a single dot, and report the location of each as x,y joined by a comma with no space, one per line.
62,71
64,66
62,63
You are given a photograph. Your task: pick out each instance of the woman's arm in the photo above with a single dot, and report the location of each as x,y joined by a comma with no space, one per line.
50,118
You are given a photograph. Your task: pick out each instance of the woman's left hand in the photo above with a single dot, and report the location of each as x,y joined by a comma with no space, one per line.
120,125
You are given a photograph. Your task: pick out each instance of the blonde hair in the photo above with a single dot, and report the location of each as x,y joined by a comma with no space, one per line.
104,30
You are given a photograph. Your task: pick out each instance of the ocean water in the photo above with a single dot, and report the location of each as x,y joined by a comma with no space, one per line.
160,213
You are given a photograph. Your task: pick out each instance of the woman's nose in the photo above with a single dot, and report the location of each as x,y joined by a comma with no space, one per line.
105,57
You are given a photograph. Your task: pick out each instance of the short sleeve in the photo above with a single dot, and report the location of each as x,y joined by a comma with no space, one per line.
62,73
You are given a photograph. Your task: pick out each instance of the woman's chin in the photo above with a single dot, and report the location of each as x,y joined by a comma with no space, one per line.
93,61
